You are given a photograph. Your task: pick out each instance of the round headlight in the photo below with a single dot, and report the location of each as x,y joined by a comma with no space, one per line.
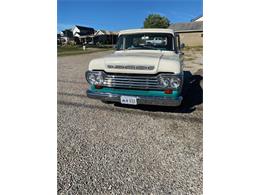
175,82
99,79
95,78
168,81
91,79
165,82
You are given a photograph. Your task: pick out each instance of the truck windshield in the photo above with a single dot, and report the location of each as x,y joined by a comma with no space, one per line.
153,41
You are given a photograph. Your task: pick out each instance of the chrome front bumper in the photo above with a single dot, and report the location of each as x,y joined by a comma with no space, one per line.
148,100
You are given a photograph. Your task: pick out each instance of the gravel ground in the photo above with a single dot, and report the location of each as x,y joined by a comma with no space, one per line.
114,149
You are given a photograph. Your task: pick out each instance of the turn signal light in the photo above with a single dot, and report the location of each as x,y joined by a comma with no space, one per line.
168,91
98,86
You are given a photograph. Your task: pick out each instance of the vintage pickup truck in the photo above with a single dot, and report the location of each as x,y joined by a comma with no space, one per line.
146,68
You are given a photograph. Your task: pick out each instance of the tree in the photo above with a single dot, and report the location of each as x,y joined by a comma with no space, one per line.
156,21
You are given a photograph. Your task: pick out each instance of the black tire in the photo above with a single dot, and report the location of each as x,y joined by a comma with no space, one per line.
106,102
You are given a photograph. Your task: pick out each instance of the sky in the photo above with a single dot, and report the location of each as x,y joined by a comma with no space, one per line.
117,15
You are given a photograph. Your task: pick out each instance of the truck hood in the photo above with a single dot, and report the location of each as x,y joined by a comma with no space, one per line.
138,62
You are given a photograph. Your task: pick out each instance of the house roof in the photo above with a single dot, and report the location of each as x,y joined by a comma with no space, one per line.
194,19
84,28
105,32
187,27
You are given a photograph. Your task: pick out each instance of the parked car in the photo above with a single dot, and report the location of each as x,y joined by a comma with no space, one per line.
139,72
156,41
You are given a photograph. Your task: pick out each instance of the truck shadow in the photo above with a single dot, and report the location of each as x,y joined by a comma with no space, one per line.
192,97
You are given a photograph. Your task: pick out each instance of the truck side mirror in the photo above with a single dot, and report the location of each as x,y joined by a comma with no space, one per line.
182,45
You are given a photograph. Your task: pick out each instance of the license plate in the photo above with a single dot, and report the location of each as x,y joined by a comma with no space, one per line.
128,100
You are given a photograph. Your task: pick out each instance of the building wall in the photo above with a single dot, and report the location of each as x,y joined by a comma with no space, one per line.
106,39
192,38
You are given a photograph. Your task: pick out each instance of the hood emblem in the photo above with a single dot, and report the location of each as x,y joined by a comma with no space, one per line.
130,67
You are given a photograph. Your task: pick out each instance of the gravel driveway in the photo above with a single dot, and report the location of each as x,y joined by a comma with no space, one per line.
114,149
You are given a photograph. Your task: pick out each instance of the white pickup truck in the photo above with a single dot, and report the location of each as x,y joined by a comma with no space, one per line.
140,71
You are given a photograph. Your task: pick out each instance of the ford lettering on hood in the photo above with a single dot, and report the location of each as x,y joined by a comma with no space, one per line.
130,67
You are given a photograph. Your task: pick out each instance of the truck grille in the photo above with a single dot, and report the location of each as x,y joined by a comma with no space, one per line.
131,81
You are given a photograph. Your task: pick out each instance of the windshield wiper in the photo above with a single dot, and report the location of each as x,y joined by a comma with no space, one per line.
143,47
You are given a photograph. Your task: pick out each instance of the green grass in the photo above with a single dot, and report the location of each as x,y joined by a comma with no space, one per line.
76,50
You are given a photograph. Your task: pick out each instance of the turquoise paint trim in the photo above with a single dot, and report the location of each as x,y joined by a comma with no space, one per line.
175,94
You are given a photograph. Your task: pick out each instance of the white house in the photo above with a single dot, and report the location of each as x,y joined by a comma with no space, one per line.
82,34
105,37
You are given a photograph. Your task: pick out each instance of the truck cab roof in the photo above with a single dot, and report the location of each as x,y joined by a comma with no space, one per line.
147,30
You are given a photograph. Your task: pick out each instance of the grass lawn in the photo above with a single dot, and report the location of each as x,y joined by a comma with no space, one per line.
75,50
